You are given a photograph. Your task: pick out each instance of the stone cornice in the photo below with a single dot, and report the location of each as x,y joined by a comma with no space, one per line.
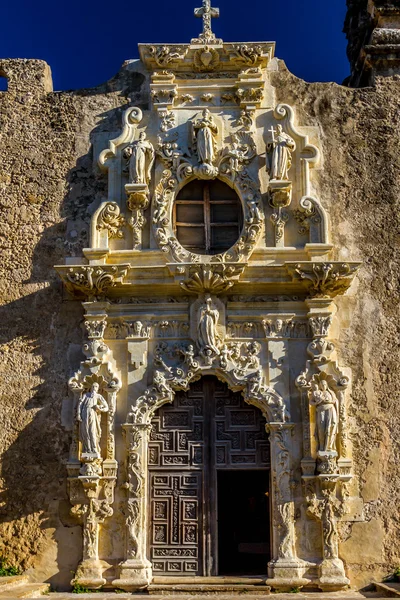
232,57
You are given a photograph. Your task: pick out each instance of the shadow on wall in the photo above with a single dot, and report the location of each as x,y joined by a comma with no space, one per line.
41,338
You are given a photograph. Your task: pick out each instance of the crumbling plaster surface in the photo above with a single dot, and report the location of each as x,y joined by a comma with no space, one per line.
49,180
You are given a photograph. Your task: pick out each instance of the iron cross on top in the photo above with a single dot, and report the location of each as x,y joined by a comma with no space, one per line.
207,12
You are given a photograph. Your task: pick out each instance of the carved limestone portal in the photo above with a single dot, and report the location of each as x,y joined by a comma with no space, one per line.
209,290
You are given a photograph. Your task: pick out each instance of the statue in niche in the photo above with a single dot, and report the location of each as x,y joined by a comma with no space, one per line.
207,328
141,159
279,154
204,132
90,407
327,419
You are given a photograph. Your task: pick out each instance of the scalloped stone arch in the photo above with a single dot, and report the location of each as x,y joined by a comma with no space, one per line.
269,402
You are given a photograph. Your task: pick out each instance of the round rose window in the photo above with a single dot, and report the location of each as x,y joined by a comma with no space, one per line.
208,217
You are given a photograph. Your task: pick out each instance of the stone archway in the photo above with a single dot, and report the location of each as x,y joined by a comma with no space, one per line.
202,448
137,570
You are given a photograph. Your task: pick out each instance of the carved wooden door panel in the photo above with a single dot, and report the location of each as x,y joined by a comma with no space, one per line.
206,429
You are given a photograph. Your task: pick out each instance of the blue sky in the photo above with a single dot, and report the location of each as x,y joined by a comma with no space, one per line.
86,41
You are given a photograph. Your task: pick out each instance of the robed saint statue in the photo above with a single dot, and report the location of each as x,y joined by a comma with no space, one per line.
141,159
90,407
279,154
204,132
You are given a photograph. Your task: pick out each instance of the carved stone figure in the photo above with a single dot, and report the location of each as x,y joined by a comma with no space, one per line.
161,384
189,357
204,131
255,214
90,406
207,327
141,160
279,154
327,415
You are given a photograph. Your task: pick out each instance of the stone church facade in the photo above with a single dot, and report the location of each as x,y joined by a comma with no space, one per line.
200,317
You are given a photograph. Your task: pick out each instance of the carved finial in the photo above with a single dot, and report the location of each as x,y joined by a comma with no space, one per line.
207,12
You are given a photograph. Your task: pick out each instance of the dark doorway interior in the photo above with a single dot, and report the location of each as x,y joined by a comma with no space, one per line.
243,522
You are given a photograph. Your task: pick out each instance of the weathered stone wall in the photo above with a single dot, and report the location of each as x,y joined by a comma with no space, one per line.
48,181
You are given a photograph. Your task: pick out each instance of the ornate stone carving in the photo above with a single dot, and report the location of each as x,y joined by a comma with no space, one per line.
135,571
206,59
164,96
141,159
206,12
111,220
324,279
187,98
207,338
95,328
327,420
283,505
181,169
279,154
241,153
176,159
285,328
140,155
247,53
320,325
327,509
308,216
167,119
92,281
91,515
236,363
279,218
205,144
137,221
90,407
213,278
166,55
92,467
250,95
207,97
246,119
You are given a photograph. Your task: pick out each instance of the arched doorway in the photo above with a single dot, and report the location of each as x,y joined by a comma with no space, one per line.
209,466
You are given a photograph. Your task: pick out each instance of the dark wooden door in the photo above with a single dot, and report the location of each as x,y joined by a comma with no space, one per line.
207,430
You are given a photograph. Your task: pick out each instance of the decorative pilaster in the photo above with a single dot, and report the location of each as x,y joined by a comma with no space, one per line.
285,570
326,466
92,468
135,571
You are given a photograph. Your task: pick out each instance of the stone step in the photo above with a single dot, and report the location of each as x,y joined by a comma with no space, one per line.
390,589
217,596
210,589
26,590
167,586
7,583
217,580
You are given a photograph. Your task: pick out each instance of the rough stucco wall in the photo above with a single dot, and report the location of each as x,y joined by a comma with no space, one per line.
47,182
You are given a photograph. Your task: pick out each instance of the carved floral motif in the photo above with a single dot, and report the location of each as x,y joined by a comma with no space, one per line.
165,55
111,220
324,279
247,53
